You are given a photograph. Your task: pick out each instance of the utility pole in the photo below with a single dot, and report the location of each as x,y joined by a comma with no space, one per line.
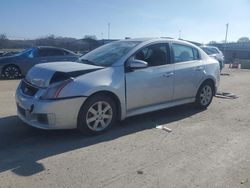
226,32
227,25
179,34
108,30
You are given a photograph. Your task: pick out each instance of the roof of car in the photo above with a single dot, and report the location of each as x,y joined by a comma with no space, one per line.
167,39
209,47
146,39
52,47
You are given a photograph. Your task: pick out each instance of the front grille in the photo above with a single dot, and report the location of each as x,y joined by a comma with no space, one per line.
42,118
28,89
21,111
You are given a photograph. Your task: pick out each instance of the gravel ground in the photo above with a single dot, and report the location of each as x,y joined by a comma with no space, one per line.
208,148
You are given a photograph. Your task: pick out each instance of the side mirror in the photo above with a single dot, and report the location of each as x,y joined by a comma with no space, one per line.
138,64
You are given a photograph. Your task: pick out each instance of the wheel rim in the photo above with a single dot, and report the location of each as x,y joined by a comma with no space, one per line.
99,116
206,95
11,72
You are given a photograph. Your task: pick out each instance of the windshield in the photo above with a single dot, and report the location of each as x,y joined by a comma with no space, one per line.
108,54
210,51
27,53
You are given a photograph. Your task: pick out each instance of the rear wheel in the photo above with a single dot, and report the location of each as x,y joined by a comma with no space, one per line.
11,72
205,95
97,115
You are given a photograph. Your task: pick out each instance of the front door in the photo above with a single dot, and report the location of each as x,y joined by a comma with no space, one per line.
154,84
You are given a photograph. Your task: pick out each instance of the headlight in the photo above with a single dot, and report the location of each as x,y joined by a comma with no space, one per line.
54,90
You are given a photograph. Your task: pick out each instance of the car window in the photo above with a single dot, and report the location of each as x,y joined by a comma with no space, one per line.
210,51
154,55
30,53
66,52
43,52
50,52
196,54
184,53
56,52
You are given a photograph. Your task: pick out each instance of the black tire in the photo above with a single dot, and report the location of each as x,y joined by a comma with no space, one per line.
84,112
11,72
203,102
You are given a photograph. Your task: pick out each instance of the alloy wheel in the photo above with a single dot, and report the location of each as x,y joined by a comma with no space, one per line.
99,116
206,95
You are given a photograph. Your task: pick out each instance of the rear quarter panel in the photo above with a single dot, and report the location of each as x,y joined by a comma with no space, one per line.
212,68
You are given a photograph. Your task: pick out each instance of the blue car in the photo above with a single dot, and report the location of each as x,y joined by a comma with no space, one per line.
18,65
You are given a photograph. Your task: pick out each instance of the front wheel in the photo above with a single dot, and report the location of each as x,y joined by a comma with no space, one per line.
205,95
97,115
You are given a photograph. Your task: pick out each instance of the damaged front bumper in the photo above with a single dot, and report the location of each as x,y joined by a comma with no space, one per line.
48,114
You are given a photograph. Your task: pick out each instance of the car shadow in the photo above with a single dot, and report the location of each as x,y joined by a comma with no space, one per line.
21,146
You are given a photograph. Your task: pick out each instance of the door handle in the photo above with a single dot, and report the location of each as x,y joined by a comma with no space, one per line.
199,68
168,74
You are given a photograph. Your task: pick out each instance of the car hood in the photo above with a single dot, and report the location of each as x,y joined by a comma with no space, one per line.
7,59
42,75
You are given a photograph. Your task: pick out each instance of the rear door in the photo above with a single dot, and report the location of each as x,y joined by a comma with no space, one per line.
189,70
154,84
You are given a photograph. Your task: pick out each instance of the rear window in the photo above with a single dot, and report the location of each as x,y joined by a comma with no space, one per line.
51,52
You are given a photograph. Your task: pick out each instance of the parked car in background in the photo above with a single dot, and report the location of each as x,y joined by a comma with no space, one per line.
2,53
17,65
214,52
10,53
116,81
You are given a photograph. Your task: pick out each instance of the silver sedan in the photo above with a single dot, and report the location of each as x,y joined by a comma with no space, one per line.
116,81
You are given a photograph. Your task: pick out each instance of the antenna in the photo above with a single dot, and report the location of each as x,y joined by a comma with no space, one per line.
179,34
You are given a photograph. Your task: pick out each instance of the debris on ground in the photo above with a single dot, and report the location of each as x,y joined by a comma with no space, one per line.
140,172
226,95
224,74
244,181
164,128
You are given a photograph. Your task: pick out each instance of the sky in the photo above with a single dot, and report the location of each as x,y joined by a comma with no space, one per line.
196,20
